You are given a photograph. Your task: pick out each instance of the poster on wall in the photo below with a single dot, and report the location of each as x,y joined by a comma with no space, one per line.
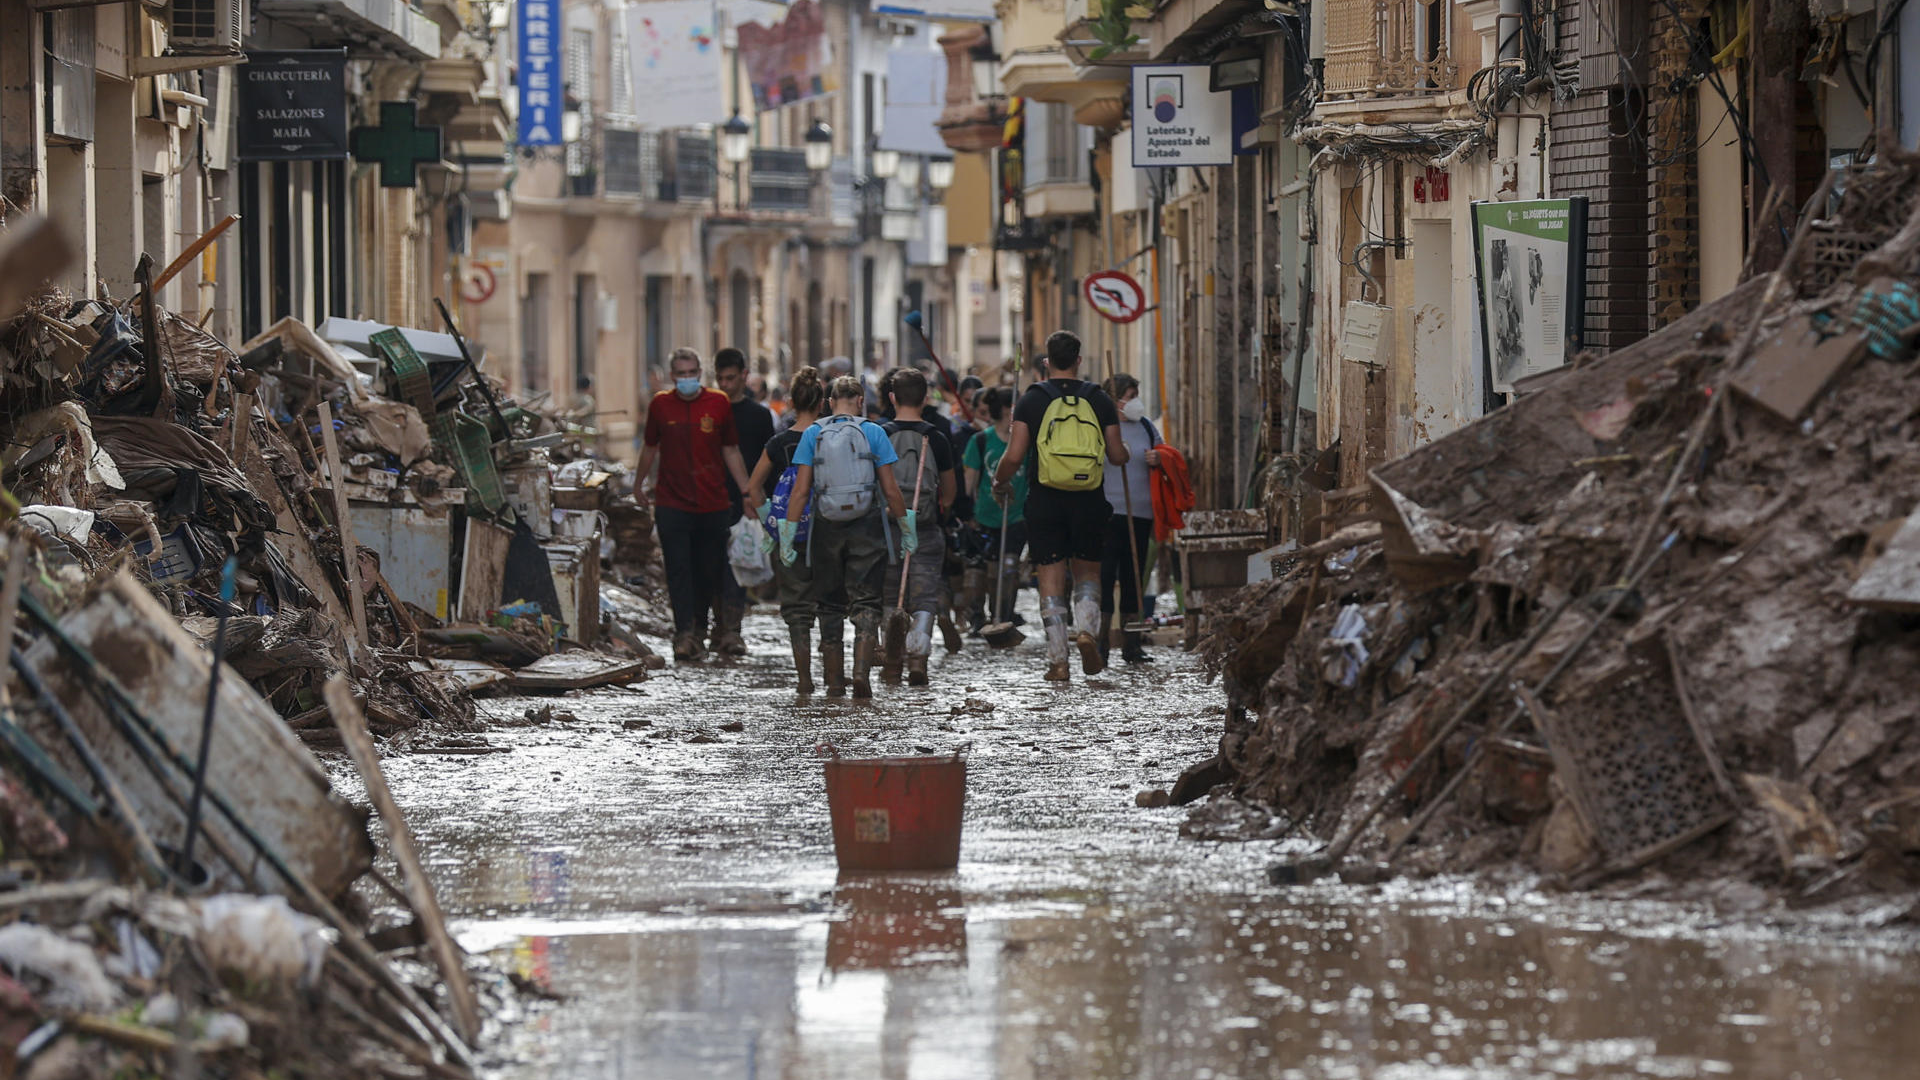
791,59
1530,263
1178,120
674,51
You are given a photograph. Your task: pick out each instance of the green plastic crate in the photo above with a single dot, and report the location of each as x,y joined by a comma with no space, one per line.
409,370
470,445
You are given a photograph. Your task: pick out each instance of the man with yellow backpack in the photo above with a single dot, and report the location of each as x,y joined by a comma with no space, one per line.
1067,430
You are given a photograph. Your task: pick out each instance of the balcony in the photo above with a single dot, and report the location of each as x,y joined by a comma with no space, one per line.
390,27
779,180
1389,48
665,166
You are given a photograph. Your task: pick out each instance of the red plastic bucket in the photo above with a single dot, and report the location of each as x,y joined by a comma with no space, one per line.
897,813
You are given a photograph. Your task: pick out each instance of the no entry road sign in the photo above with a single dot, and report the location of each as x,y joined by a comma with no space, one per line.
1115,295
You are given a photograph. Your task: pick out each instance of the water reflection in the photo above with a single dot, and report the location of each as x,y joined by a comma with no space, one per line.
886,921
898,980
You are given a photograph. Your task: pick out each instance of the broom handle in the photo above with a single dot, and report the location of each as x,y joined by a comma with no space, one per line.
1133,542
919,471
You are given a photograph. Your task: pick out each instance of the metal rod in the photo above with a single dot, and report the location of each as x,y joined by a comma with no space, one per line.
206,721
486,391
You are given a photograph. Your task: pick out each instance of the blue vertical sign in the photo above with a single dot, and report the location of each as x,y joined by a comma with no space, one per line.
541,94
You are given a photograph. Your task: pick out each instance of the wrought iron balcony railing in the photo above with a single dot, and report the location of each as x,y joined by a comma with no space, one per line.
1382,48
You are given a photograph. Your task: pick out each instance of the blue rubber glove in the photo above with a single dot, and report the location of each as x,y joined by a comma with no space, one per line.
909,533
787,529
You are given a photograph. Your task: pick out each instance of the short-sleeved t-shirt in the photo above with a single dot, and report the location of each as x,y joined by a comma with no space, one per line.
779,452
1031,409
942,446
877,442
690,436
984,451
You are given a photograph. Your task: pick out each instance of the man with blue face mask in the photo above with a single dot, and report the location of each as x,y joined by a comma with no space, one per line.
690,432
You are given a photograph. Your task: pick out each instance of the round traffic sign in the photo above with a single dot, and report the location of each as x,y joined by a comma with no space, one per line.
1115,295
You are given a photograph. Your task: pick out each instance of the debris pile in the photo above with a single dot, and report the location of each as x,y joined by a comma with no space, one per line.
1657,614
216,559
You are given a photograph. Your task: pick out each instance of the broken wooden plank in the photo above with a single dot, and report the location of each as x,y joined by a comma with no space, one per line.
1790,369
580,670
1892,582
471,674
256,761
343,521
426,907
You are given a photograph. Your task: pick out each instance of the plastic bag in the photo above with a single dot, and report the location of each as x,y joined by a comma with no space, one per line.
747,549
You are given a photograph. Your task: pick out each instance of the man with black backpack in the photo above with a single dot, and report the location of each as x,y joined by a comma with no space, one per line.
924,470
1067,430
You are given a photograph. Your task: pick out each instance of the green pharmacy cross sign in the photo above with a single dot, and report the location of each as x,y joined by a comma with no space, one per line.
399,144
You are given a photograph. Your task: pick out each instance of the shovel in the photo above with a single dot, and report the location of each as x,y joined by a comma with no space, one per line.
897,620
1002,635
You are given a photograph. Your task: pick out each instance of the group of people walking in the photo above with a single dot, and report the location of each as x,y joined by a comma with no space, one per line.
889,515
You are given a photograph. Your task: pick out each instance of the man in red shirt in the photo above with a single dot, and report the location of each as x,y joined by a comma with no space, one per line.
690,431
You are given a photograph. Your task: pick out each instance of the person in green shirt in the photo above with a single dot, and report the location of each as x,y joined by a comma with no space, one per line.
983,456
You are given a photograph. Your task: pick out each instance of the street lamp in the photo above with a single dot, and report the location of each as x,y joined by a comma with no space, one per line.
736,139
884,163
736,143
908,172
940,173
819,147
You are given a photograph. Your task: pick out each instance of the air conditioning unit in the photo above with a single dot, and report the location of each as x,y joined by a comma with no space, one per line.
207,25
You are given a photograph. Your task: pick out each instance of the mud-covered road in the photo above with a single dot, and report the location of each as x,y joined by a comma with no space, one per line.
682,896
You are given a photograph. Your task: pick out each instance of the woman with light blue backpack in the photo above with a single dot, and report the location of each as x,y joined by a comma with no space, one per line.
794,584
843,459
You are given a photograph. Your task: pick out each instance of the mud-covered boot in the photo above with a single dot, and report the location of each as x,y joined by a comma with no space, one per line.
1106,636
919,647
865,644
833,659
1133,643
1053,620
1086,622
950,632
916,671
802,659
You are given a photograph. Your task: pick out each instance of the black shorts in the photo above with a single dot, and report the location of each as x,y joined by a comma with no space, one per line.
1066,525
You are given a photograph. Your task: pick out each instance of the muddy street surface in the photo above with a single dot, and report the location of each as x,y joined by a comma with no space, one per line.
674,880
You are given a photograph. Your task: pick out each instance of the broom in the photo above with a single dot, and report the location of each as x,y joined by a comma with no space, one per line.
897,620
1004,634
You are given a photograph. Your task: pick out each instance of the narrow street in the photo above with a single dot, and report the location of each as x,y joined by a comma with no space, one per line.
681,897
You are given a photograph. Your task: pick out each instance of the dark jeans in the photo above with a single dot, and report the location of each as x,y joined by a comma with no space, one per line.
694,549
1116,563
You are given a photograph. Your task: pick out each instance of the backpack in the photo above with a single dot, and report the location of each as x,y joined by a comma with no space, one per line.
911,446
781,497
843,476
1071,447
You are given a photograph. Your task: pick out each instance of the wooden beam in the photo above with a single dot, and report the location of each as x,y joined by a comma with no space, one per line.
343,522
352,725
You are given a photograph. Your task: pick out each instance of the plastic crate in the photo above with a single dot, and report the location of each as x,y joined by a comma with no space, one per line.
470,445
409,370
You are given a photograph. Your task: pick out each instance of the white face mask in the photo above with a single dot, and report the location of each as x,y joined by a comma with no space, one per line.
1134,409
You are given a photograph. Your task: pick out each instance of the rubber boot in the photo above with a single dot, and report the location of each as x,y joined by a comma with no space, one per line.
1133,643
865,644
1086,621
833,658
1053,620
802,659
949,632
916,671
892,651
1106,635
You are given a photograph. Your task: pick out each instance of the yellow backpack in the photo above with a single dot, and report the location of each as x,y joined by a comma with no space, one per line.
1071,446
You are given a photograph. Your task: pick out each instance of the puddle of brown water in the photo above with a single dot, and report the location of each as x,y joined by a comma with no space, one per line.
683,898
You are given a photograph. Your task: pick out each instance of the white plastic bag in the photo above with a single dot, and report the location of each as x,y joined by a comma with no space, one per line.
747,552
